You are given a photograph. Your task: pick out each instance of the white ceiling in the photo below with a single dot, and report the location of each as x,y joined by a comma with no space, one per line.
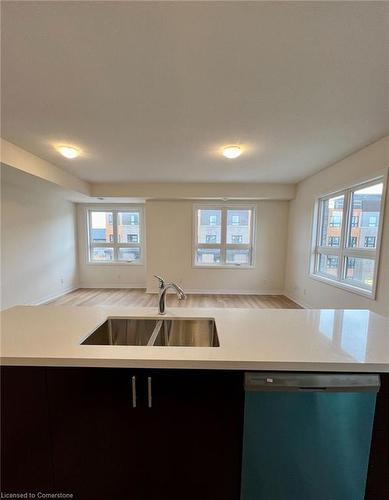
151,90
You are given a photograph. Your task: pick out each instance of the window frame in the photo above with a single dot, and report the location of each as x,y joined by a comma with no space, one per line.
115,244
223,246
343,251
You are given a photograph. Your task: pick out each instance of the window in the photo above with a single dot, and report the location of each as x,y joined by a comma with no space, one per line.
115,235
372,221
132,238
328,266
333,241
369,241
133,219
223,236
339,202
212,220
354,221
332,262
353,241
336,220
345,248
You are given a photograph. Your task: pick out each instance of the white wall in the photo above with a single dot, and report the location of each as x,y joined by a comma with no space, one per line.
38,240
169,250
104,275
169,253
365,164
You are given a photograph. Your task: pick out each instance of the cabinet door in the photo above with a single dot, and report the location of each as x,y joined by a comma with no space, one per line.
25,443
195,435
96,433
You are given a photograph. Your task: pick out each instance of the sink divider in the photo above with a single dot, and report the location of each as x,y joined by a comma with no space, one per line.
110,336
155,333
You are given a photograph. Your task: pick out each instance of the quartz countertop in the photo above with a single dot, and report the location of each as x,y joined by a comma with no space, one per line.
250,339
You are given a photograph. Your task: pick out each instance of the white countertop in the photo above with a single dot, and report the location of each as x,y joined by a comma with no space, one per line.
250,339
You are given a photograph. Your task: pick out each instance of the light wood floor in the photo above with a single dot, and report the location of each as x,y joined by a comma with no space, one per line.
139,298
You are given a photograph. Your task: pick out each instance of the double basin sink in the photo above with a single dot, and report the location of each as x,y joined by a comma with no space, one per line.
199,332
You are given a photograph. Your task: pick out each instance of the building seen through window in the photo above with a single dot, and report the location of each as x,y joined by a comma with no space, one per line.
115,235
346,250
223,236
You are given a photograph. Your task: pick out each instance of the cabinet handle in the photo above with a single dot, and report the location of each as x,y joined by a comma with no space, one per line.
133,386
149,393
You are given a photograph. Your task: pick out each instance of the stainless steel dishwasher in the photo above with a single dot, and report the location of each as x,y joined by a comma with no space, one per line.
307,436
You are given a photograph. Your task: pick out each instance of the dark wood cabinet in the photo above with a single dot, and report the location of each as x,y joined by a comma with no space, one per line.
96,433
26,459
75,430
182,440
194,435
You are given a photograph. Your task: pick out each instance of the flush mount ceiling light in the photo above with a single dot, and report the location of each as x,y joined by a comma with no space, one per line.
69,152
232,151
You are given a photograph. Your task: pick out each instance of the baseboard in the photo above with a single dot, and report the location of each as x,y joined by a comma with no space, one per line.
223,292
112,285
54,296
302,304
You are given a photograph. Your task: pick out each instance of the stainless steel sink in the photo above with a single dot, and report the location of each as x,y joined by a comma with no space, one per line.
155,332
187,333
122,331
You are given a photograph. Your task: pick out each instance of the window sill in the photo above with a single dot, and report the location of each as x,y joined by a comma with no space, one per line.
204,266
345,286
114,263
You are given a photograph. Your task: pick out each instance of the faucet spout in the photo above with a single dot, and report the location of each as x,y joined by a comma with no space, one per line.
163,288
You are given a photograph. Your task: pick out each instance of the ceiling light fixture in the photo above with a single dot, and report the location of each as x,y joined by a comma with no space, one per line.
232,152
69,152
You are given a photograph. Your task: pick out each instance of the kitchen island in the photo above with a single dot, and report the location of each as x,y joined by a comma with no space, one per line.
250,339
145,422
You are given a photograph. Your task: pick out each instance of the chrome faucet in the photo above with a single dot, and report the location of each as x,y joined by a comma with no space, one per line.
163,288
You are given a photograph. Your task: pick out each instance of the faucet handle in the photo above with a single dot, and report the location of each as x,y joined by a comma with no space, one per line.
161,281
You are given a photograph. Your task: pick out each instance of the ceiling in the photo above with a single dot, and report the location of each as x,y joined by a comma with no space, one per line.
150,91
